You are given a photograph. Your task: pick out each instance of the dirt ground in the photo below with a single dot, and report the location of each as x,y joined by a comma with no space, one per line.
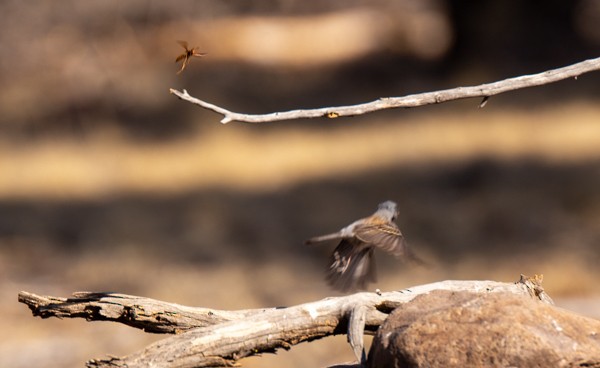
108,183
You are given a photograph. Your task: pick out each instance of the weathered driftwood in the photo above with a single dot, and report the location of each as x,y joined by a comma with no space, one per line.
144,313
214,338
421,99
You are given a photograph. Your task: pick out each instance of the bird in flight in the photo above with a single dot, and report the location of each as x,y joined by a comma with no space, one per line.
187,55
352,266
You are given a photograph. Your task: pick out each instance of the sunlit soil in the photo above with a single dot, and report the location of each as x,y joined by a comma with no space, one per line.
255,160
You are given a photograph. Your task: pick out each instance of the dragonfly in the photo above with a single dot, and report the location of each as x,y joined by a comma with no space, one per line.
187,55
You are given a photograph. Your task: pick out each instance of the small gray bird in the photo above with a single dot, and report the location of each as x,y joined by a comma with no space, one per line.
352,266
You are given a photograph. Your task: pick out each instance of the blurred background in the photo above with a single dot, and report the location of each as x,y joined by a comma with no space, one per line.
109,183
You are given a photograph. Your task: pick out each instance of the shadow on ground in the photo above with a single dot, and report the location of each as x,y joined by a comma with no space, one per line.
485,209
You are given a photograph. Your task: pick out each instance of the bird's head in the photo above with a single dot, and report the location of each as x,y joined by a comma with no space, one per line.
390,208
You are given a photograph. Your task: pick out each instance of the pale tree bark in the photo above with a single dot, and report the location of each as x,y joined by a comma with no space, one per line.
214,338
483,91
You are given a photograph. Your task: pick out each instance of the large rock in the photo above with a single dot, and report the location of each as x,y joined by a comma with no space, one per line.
446,329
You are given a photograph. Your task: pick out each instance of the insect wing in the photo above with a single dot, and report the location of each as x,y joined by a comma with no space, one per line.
183,44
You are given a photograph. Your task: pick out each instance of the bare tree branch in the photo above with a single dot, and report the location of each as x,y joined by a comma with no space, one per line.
147,314
421,99
221,338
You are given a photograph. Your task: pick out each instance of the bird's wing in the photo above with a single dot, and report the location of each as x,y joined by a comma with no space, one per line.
322,238
183,44
180,57
382,234
351,266
387,236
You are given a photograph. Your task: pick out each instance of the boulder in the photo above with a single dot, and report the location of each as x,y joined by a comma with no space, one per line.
463,329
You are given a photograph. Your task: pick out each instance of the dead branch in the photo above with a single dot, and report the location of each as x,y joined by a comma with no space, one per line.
147,314
421,99
219,339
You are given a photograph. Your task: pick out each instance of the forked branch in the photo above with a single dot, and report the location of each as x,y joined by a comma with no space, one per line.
214,338
483,91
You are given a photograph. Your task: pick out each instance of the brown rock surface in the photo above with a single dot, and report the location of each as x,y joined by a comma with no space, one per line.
445,329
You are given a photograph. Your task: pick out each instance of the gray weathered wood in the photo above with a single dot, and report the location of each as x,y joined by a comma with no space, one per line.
147,314
356,328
